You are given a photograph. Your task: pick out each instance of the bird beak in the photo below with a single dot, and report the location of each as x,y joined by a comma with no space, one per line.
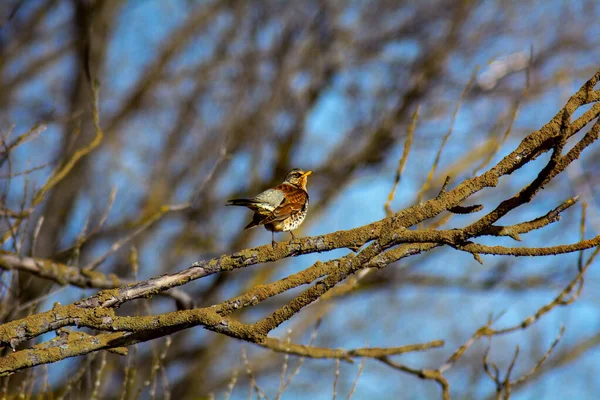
307,173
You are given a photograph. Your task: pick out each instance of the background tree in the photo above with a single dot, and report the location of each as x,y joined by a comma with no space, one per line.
125,126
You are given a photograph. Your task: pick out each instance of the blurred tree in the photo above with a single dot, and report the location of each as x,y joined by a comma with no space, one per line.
125,126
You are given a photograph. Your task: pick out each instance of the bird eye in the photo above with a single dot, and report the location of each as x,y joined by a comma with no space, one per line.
295,174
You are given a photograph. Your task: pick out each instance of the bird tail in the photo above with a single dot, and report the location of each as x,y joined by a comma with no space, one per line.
252,224
256,206
257,220
241,202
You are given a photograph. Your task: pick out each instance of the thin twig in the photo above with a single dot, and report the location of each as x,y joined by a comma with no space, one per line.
360,370
402,163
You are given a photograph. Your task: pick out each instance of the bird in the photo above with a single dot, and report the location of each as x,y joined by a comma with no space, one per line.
279,209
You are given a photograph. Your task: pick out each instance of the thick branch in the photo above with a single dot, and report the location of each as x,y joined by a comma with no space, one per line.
66,275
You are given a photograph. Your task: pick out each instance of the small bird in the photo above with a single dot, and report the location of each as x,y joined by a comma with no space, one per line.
282,208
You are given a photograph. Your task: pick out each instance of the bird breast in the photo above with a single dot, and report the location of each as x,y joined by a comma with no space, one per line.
290,223
294,221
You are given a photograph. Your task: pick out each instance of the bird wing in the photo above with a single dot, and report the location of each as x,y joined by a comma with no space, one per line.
293,201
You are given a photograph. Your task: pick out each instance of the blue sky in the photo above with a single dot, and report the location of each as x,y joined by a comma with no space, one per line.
144,27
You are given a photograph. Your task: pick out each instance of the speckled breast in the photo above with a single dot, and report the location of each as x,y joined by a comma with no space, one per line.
295,220
290,223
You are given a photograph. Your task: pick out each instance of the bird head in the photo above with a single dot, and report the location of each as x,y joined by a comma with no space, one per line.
297,177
